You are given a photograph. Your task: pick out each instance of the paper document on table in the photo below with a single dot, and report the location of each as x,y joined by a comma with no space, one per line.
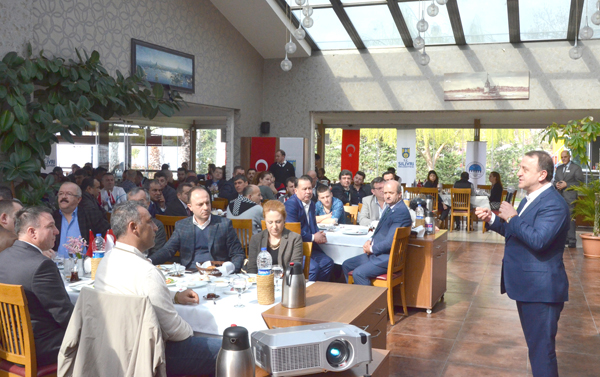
420,230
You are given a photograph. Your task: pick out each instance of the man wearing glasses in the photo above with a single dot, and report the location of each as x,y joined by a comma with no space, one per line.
373,205
73,221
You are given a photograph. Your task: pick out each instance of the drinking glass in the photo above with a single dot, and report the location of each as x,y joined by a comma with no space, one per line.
68,264
277,274
239,284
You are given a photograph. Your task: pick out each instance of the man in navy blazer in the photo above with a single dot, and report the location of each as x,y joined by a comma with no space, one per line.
533,272
374,261
301,209
202,237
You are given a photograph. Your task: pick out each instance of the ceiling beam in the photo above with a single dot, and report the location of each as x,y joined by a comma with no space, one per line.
574,18
345,20
514,25
400,23
457,28
286,8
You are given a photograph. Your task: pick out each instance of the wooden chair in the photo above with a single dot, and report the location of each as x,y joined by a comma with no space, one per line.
307,252
447,186
413,192
395,272
169,223
220,203
292,227
359,207
352,211
486,188
243,228
460,206
504,192
17,347
433,191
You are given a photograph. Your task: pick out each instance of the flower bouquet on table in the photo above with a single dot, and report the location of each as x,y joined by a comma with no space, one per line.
75,246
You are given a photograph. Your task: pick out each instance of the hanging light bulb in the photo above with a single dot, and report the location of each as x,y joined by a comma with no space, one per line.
300,2
286,64
596,16
432,9
308,22
419,42
586,32
422,25
576,51
441,2
423,58
299,33
307,11
290,47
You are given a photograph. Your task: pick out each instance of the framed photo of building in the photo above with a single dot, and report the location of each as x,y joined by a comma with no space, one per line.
486,86
164,66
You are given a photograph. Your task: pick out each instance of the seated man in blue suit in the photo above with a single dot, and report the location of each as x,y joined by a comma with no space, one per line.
374,261
301,209
202,237
533,272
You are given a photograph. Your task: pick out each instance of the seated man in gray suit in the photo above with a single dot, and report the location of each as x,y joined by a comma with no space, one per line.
202,237
141,196
373,205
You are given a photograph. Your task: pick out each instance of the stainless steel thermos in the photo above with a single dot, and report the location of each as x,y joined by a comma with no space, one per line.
235,358
294,287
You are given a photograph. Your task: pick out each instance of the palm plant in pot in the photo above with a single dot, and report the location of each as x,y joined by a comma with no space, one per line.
577,135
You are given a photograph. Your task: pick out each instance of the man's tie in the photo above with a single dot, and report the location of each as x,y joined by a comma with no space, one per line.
521,205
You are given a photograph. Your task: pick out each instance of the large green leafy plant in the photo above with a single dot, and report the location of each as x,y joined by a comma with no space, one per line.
42,97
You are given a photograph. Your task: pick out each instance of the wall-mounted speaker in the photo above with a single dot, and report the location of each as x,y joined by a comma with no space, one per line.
265,127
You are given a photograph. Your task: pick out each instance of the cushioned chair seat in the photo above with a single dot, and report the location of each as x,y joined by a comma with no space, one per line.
20,371
383,276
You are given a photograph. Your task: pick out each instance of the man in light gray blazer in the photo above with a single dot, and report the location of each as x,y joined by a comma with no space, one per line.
373,205
568,174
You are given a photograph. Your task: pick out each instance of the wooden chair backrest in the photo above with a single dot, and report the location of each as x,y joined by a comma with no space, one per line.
413,191
306,251
220,203
16,333
169,223
433,191
447,186
461,199
398,252
513,198
243,228
292,227
486,188
359,207
504,192
353,212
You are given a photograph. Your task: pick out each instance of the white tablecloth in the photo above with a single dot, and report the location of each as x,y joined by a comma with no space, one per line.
476,201
209,318
340,246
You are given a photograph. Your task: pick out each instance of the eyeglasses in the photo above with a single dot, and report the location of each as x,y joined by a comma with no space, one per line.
61,194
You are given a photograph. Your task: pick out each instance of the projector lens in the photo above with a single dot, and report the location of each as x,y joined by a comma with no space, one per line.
338,353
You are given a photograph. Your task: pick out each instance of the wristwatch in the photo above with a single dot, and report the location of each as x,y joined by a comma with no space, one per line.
508,220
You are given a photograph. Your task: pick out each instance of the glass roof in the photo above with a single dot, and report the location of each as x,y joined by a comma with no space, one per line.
484,21
375,26
439,31
544,19
328,31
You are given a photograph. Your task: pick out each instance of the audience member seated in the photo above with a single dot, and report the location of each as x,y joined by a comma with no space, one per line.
373,205
433,182
5,193
168,192
192,179
141,196
388,176
140,180
180,176
74,168
462,184
79,176
342,190
8,208
98,173
250,175
393,171
211,170
374,261
158,205
240,182
220,185
357,187
23,264
301,209
202,237
281,169
90,187
290,189
496,191
322,177
237,170
247,207
125,270
77,214
129,180
329,210
179,206
265,182
59,176
283,245
315,184
111,194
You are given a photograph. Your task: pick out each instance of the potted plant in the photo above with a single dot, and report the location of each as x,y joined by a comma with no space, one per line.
577,135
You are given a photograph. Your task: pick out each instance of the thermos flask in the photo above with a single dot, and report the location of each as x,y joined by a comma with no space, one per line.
235,358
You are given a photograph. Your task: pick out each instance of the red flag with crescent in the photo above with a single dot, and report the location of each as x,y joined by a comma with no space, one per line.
350,150
262,152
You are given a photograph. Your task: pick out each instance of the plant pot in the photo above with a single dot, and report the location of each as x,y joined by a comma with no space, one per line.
591,245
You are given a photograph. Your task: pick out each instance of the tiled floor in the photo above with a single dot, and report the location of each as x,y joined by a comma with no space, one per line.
475,331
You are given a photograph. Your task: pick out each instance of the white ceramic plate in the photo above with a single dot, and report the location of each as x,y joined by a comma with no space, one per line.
196,284
356,232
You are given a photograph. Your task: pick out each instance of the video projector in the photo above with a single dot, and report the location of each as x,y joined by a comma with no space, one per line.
300,350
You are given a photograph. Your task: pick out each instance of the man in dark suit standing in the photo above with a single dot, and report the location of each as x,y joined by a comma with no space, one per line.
568,174
202,237
179,206
281,168
23,264
533,272
301,209
374,261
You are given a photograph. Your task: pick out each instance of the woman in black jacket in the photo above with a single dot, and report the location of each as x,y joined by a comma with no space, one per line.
432,181
496,191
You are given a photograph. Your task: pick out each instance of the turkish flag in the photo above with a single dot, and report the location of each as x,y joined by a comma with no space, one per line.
262,152
350,150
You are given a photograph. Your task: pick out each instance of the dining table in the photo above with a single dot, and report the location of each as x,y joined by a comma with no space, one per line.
476,200
345,241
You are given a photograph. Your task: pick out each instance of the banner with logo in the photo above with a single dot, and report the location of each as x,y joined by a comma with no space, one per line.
294,152
50,160
262,152
350,150
406,153
475,162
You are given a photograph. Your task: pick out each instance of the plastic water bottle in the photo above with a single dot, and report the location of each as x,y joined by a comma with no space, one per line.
264,262
98,243
98,253
420,212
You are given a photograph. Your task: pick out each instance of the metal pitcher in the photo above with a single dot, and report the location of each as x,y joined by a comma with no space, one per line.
235,358
294,287
429,203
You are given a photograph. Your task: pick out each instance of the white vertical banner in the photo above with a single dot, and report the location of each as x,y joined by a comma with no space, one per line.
406,152
51,160
475,162
294,152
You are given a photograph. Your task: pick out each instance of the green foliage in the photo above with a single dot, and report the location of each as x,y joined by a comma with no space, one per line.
41,98
587,204
576,135
206,150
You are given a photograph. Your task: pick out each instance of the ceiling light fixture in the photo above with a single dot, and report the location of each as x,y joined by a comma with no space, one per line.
576,51
432,9
586,32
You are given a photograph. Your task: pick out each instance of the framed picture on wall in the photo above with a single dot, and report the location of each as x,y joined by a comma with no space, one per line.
163,65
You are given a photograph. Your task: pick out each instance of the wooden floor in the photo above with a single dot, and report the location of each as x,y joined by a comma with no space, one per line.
475,331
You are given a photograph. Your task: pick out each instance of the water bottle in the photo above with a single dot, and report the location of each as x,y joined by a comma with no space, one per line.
264,262
420,215
429,223
98,243
98,253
